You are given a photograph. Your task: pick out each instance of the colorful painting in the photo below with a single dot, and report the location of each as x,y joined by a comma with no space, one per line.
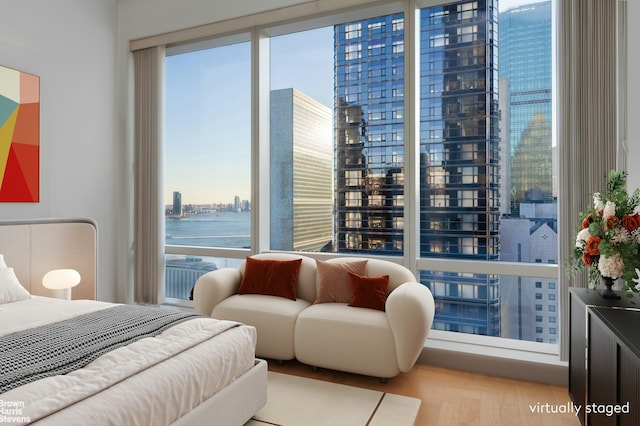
19,136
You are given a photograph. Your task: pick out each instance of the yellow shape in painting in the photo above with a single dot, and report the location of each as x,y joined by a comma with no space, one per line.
6,132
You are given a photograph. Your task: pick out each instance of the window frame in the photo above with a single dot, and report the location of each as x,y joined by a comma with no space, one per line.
260,192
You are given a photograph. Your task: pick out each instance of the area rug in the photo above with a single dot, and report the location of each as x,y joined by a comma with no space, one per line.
298,401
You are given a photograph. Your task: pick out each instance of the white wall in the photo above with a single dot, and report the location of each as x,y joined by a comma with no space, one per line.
70,44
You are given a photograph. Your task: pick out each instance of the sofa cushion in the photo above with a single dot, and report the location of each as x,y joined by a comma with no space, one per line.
339,337
273,317
398,274
306,288
270,277
368,292
333,280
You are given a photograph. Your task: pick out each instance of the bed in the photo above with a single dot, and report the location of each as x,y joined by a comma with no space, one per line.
137,365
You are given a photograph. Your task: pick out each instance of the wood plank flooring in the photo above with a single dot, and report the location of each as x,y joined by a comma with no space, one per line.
456,398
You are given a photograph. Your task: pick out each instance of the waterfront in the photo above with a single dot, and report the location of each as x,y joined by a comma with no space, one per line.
217,229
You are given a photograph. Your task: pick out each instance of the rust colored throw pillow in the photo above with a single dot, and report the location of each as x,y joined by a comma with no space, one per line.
368,292
333,280
270,277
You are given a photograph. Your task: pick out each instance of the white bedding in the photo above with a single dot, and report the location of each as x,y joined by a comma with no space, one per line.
153,381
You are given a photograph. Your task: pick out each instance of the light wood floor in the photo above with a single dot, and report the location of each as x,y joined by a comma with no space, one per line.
456,398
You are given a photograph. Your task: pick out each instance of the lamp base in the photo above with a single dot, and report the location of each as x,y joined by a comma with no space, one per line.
64,293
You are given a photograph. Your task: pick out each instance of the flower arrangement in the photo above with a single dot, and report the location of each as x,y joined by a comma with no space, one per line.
609,236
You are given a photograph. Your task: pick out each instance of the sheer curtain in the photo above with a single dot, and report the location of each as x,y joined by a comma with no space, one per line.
587,117
148,179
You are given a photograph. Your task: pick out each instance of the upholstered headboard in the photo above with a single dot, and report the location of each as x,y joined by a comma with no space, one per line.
35,246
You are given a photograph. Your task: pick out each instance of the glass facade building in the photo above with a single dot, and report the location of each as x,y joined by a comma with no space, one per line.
529,225
525,72
460,159
459,150
369,125
301,172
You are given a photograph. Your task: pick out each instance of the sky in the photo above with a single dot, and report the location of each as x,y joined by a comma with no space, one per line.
207,116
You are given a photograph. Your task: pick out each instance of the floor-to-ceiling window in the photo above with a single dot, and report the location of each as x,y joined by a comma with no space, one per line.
487,166
468,200
207,159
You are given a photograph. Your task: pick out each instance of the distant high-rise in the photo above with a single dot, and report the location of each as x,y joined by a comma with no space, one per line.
177,204
528,229
525,65
301,172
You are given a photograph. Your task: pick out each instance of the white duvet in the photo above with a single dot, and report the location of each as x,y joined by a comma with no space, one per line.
153,381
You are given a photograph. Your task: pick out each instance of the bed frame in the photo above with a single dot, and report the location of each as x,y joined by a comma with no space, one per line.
35,246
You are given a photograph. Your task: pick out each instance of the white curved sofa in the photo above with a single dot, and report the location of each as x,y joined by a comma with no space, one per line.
330,335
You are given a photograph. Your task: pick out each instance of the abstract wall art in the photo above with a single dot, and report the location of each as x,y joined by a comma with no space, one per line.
19,136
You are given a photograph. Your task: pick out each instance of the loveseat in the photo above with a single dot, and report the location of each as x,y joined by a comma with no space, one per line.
381,335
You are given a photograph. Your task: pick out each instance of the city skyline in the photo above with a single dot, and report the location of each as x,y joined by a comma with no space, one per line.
171,206
191,86
461,166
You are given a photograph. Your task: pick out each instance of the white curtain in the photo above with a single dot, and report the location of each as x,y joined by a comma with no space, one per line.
148,178
587,118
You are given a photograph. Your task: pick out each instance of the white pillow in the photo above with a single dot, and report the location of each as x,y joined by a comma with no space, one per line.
2,264
10,288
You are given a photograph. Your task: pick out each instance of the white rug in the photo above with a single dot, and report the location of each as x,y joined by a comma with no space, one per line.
298,401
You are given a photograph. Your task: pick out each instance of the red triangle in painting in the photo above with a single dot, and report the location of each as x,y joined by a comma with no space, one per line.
15,185
28,159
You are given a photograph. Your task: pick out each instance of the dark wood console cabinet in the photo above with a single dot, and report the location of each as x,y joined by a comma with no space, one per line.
604,358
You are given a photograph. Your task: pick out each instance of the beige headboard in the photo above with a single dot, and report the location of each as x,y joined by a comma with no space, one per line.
35,246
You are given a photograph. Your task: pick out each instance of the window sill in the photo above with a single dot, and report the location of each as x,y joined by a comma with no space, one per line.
496,356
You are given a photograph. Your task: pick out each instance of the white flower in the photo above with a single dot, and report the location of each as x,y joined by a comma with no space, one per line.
609,209
637,280
611,266
582,237
619,235
597,202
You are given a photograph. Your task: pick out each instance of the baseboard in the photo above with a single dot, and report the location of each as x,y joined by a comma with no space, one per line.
555,373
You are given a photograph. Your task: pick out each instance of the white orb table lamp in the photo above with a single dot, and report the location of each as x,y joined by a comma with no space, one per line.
60,281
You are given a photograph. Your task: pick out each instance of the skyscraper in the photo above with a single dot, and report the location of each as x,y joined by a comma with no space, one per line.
459,145
301,172
529,225
525,65
369,64
177,203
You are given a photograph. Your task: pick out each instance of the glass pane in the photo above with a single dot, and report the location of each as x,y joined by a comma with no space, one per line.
182,272
487,162
521,308
208,147
459,139
301,142
528,199
337,138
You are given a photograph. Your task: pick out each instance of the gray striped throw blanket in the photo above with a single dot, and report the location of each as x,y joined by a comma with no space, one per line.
64,346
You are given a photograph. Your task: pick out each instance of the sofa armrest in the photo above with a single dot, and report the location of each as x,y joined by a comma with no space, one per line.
410,309
213,287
